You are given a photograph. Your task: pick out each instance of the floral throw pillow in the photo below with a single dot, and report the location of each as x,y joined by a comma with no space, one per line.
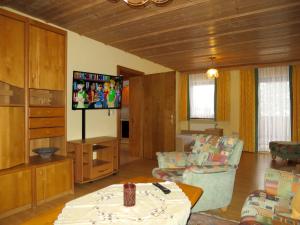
200,141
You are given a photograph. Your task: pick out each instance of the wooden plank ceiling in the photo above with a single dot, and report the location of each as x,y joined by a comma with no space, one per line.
185,33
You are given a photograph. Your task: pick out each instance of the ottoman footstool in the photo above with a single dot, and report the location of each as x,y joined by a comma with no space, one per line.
285,150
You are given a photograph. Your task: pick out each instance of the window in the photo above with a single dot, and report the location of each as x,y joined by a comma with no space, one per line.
201,96
274,106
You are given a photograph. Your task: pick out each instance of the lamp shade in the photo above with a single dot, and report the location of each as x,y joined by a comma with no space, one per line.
212,73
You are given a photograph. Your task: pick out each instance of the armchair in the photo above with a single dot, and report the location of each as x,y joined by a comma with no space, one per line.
196,168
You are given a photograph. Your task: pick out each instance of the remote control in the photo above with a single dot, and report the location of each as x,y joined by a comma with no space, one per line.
162,188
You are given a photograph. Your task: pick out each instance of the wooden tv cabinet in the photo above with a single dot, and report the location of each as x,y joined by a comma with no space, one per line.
94,158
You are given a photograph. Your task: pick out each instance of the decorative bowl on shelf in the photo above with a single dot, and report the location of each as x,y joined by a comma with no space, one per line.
46,152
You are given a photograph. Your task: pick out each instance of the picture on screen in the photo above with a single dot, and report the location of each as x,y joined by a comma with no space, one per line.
96,91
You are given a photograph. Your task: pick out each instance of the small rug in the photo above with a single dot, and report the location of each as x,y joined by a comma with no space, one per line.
206,219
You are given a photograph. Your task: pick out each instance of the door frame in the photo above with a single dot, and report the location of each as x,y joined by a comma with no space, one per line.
126,73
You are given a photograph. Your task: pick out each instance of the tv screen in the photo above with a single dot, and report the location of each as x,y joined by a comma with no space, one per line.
96,91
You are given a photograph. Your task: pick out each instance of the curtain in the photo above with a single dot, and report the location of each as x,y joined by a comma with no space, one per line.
223,96
201,96
274,106
248,109
183,98
296,103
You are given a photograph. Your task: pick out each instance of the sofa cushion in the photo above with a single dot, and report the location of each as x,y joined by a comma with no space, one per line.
281,183
168,174
209,169
296,206
200,141
172,159
266,209
196,158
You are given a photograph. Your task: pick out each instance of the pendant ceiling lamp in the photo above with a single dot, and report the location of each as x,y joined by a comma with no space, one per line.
212,72
137,3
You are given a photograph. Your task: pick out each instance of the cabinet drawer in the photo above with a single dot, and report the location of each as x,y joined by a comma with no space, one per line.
46,112
46,122
46,132
101,170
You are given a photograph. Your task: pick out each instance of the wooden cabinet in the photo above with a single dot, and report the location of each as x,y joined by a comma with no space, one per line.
46,58
32,112
12,50
94,158
53,180
15,191
12,136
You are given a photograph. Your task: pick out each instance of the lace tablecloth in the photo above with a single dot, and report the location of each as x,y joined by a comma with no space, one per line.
105,206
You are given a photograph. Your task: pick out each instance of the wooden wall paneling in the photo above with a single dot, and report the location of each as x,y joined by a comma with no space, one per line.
136,101
12,51
46,59
182,35
12,136
15,191
149,123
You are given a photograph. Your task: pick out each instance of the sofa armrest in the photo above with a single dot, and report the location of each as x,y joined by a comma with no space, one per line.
210,169
171,159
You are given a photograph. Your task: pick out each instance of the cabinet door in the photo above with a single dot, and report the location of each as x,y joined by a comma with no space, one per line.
12,136
53,180
15,190
46,59
12,51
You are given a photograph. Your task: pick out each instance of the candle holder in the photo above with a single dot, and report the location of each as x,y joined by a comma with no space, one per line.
129,194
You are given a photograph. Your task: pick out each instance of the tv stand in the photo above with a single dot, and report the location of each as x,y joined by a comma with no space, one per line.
94,158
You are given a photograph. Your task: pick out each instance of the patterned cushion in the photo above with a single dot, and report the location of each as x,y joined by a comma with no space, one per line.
172,159
227,142
168,174
209,169
263,208
200,141
196,158
281,183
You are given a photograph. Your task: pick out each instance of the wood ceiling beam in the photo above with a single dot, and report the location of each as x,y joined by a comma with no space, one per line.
202,23
205,37
167,9
87,4
204,63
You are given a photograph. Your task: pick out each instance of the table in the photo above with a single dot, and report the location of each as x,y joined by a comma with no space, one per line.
193,194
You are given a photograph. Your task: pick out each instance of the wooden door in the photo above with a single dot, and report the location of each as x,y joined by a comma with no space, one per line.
12,136
46,59
53,180
15,190
159,113
12,51
136,116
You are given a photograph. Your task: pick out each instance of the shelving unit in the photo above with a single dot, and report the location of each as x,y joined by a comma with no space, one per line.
94,158
32,113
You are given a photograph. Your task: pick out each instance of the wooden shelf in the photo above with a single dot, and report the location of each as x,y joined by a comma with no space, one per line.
97,162
46,98
37,160
11,95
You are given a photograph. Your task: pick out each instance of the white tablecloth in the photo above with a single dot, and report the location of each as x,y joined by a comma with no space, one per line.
105,206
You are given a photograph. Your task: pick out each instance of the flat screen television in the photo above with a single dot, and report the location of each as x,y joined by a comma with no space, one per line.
96,91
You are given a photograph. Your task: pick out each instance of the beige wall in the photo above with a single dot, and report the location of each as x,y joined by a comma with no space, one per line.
230,127
89,55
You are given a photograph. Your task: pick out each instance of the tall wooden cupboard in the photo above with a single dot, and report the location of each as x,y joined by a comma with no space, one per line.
32,113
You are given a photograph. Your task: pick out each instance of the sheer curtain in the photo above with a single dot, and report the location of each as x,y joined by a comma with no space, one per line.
202,96
274,110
